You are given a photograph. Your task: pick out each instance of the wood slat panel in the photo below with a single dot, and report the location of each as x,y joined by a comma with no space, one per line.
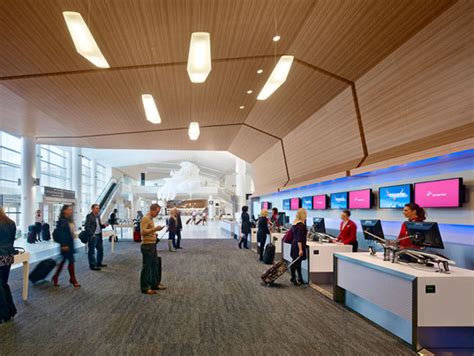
248,144
328,142
269,170
423,89
34,37
304,92
350,37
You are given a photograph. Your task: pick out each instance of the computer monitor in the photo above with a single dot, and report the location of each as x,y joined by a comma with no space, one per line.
425,234
281,218
319,226
287,219
372,226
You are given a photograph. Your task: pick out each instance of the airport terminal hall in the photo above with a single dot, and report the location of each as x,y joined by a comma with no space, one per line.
237,177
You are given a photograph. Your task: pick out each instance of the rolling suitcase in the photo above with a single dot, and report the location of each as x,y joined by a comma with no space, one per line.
136,236
31,237
269,254
42,270
46,233
276,271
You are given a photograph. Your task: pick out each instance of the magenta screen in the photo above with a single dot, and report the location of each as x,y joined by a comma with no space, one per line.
438,194
295,203
360,199
319,202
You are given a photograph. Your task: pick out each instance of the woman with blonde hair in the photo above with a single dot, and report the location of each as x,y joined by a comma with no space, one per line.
262,231
7,237
172,228
298,245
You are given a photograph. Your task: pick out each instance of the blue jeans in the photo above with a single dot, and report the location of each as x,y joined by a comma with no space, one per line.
95,243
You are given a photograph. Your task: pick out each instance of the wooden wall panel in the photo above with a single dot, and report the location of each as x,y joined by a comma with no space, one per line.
424,90
248,144
328,142
269,170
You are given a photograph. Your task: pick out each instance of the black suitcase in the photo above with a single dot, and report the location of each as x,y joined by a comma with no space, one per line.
46,233
31,237
42,270
269,254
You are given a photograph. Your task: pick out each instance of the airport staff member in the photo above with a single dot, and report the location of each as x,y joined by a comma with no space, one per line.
150,277
94,228
262,231
413,212
348,231
274,218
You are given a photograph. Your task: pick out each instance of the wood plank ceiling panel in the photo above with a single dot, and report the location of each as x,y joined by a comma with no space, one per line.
349,37
248,144
34,37
269,169
423,92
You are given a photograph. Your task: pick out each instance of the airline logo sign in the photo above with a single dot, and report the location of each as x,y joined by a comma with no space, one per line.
438,194
319,202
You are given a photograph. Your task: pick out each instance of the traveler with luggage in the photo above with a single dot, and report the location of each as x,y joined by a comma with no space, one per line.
172,228
298,246
38,225
179,228
262,231
150,277
113,220
348,231
64,235
93,228
245,227
7,237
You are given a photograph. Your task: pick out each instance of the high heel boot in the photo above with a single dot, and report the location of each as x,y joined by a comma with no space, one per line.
56,274
72,276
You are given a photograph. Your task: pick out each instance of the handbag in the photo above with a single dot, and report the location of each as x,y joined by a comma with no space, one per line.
84,237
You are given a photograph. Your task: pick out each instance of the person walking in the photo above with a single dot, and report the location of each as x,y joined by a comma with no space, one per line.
150,276
262,231
179,228
38,225
113,221
245,227
7,237
93,229
172,229
298,246
65,237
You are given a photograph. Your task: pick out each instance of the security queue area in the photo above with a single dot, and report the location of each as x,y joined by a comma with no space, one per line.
217,177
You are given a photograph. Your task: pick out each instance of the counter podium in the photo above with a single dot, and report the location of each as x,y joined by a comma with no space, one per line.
277,240
24,259
253,239
321,263
425,308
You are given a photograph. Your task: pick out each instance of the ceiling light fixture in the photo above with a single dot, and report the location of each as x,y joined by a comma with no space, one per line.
277,78
242,107
199,58
249,92
151,111
194,131
276,38
83,40
260,71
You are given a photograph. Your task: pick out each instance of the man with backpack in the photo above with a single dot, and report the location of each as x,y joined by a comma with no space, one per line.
93,228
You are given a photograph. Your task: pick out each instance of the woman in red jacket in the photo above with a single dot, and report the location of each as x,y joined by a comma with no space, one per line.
348,231
413,212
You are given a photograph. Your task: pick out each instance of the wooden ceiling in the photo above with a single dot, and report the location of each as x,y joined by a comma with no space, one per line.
50,92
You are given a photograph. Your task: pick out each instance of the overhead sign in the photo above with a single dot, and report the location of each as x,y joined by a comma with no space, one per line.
57,193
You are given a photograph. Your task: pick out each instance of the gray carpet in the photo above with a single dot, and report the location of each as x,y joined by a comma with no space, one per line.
214,305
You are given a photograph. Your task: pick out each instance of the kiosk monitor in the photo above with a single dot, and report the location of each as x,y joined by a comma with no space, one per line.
425,234
372,226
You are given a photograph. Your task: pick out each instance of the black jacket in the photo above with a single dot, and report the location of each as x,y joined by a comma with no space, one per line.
65,236
262,226
179,225
172,225
7,237
246,226
91,224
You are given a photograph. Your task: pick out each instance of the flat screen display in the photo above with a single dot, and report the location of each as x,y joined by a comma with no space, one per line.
339,200
395,196
286,204
320,202
439,194
360,199
295,203
266,205
307,203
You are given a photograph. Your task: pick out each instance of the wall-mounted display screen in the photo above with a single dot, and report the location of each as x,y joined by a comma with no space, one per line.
295,203
360,199
320,202
286,204
395,196
339,200
307,203
266,205
445,193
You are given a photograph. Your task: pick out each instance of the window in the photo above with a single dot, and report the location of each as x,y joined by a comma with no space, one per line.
54,171
101,178
86,184
10,173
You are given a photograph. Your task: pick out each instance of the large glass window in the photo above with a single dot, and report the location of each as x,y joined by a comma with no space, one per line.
54,167
101,178
10,173
86,184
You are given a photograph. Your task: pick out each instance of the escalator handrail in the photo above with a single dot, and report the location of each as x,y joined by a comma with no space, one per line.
106,189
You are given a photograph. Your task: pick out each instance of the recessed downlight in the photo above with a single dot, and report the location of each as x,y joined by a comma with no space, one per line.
249,91
260,71
276,38
242,107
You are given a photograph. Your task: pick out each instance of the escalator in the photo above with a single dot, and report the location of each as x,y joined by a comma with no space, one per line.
106,199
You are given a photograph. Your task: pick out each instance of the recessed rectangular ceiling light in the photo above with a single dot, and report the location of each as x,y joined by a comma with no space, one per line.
194,131
199,58
151,111
83,40
277,78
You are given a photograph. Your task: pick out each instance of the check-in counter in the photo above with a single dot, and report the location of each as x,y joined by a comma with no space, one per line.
423,307
253,239
230,227
277,240
321,261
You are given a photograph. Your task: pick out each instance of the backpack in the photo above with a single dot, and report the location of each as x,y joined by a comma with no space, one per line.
288,238
55,236
84,237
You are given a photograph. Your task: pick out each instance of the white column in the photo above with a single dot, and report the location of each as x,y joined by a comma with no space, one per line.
77,183
240,182
28,190
211,209
94,192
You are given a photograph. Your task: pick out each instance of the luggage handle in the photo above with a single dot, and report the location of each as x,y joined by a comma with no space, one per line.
293,261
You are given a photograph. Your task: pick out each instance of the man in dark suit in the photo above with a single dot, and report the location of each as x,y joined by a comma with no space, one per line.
179,227
94,228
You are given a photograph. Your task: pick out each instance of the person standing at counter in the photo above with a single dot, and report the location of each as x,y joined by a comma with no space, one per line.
413,212
298,245
262,231
348,231
7,237
274,218
245,229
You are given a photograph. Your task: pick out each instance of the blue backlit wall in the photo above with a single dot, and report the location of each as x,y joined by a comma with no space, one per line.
456,224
